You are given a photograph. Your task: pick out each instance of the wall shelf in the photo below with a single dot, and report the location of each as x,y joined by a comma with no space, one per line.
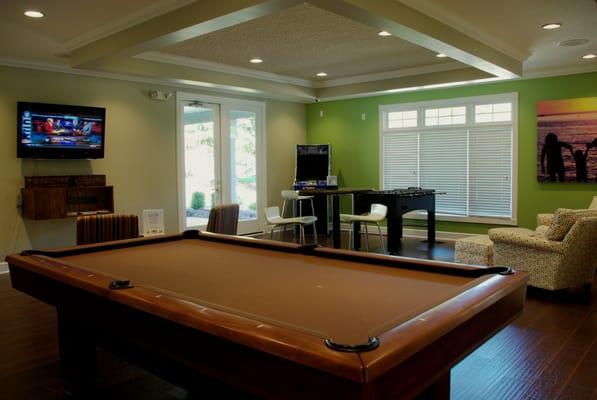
47,197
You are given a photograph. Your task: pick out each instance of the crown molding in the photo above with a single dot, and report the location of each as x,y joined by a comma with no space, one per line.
120,24
66,69
591,66
217,67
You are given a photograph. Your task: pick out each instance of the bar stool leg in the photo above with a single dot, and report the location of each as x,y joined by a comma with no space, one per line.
302,235
383,248
366,237
271,233
312,207
283,207
350,228
315,232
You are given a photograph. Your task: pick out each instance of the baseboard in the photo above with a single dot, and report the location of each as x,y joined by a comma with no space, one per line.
420,233
3,268
407,232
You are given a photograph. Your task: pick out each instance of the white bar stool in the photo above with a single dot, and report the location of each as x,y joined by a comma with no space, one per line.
375,216
272,216
294,197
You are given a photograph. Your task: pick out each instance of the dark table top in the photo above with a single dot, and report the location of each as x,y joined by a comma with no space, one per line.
339,190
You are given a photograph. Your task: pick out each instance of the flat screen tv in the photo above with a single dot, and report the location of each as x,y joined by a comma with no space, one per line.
60,131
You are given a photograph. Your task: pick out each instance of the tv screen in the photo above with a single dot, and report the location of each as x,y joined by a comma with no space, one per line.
60,131
312,162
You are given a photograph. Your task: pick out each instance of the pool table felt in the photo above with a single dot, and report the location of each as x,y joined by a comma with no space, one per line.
342,300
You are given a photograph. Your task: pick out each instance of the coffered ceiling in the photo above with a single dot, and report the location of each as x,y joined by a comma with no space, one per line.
208,43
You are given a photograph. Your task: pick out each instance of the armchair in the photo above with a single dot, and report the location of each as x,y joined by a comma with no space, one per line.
547,218
551,264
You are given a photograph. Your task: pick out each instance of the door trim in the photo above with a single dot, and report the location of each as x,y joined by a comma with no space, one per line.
225,103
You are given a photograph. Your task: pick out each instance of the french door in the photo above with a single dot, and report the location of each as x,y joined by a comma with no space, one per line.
221,159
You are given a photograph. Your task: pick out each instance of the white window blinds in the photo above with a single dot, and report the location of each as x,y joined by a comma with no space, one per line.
471,163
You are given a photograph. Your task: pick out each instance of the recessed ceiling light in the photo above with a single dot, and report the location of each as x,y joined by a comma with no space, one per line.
573,42
551,25
441,55
321,74
34,14
589,56
256,60
384,33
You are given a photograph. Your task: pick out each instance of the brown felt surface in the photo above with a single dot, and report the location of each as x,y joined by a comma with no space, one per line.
342,300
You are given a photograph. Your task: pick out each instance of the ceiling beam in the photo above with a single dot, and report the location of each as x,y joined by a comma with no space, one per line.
210,80
387,86
187,22
411,25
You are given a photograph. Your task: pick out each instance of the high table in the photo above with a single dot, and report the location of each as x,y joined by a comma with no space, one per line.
335,194
276,320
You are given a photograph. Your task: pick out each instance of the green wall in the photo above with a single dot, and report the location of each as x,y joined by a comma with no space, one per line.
355,142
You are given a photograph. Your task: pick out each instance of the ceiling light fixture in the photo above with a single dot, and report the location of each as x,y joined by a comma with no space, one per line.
256,60
551,25
34,14
441,55
384,33
322,74
589,56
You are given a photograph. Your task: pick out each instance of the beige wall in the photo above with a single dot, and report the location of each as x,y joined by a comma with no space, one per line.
140,157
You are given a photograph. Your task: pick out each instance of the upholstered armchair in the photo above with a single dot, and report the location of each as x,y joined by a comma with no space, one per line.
547,218
556,256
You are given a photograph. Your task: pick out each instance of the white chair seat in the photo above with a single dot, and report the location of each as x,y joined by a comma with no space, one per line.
375,216
272,216
306,220
360,218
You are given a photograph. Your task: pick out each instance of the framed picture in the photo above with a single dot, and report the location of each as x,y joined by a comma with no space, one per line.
567,140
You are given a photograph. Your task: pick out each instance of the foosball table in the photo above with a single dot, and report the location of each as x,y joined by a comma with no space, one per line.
399,202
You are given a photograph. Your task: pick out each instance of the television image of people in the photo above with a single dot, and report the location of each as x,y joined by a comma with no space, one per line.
57,131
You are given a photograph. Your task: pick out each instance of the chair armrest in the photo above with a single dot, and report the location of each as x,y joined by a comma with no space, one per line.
544,219
515,237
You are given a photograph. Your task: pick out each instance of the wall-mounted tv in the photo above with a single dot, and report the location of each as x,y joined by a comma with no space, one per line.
60,131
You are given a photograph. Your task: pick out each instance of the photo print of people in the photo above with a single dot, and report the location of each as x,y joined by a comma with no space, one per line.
567,140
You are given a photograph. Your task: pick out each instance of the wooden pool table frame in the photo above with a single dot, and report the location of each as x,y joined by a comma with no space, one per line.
198,347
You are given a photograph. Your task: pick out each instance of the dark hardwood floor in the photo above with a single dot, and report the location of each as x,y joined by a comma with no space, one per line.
548,352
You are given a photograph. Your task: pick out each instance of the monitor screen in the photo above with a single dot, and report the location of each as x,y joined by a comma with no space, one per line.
312,162
60,131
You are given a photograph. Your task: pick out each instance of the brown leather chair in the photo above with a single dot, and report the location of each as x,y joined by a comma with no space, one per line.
223,219
106,227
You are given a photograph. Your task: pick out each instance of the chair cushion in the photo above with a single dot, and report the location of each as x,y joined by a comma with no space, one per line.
563,220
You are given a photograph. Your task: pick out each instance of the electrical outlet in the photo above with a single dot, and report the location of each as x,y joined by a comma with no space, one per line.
321,113
363,116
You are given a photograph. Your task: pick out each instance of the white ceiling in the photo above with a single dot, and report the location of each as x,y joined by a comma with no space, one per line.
298,41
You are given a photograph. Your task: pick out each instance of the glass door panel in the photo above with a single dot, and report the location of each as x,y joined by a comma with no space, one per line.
201,162
243,163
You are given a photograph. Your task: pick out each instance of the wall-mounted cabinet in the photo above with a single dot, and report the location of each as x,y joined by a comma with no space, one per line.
46,197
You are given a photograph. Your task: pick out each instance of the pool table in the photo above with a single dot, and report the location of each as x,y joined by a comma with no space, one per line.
268,319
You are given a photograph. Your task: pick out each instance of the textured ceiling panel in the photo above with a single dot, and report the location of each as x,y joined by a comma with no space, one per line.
303,40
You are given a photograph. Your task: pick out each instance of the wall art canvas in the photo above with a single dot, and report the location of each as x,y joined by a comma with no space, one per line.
567,140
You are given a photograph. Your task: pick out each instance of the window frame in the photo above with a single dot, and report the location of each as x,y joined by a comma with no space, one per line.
469,103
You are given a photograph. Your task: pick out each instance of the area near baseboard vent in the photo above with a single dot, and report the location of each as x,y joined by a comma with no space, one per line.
3,268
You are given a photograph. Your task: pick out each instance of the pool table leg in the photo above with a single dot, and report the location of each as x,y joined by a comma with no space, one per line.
439,390
77,354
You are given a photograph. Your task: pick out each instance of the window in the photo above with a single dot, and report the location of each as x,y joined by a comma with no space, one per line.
463,147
